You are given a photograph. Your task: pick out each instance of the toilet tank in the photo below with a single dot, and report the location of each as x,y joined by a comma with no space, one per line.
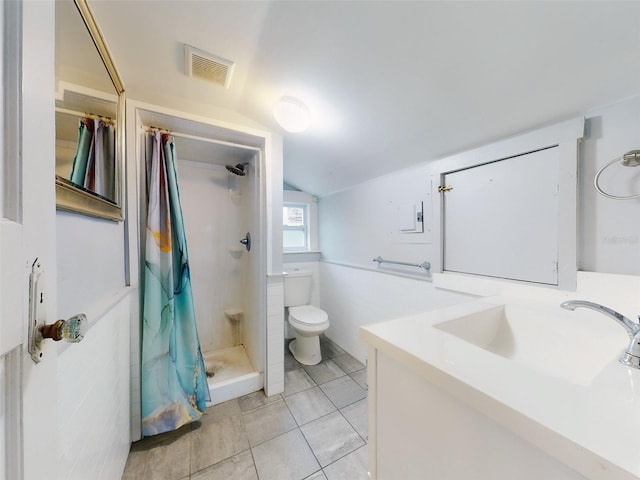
297,287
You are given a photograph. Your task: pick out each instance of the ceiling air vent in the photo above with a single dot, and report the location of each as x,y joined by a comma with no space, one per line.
206,66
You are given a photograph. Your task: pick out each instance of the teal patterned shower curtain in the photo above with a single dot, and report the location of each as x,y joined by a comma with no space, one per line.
174,381
94,164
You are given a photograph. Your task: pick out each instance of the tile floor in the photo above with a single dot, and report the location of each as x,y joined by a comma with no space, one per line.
315,430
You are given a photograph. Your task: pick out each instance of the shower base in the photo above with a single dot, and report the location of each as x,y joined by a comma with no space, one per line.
230,374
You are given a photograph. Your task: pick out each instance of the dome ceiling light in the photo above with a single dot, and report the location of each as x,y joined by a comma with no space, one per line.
292,115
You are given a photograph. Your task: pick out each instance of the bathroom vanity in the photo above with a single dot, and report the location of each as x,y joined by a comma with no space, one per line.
502,388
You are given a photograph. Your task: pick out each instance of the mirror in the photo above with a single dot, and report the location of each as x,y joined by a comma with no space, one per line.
89,116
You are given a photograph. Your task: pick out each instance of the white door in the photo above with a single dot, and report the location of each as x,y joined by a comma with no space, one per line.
10,270
28,405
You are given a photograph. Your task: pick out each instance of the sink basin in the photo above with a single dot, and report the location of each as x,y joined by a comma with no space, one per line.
575,347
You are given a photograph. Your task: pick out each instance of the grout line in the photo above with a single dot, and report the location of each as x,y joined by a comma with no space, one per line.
306,441
345,455
253,459
352,426
280,434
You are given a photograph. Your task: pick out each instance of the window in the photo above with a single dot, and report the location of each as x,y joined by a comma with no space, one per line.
295,223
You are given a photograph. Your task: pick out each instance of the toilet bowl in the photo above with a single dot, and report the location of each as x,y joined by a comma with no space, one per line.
307,321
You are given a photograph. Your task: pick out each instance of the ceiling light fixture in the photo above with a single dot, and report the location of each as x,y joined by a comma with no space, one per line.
292,115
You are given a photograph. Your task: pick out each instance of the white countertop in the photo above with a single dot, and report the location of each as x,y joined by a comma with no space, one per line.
593,427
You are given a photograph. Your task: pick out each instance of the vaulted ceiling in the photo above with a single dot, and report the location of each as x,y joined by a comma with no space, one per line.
388,83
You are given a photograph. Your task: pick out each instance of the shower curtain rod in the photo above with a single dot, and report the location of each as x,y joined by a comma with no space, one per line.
201,139
93,116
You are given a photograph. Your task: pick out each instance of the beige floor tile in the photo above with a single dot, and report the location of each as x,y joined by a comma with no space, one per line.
331,437
290,363
358,416
309,405
238,467
222,410
168,460
296,381
328,349
324,372
360,377
268,422
217,441
348,363
256,400
287,457
351,467
343,391
134,468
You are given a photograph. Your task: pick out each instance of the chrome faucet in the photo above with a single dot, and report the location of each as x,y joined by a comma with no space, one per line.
631,357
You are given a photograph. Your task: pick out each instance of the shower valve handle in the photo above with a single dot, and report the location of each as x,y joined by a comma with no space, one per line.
246,241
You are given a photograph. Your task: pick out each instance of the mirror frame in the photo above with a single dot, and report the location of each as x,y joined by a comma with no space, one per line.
69,197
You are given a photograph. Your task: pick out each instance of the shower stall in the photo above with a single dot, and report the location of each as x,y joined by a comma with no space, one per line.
220,193
219,215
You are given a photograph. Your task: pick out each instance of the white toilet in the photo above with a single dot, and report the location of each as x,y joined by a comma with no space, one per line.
307,321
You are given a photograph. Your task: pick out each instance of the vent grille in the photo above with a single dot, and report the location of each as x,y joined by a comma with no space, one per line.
209,67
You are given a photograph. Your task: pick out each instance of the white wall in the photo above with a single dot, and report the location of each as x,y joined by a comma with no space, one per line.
359,223
354,297
93,402
91,261
609,230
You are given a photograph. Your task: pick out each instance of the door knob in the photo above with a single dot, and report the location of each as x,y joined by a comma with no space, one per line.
71,330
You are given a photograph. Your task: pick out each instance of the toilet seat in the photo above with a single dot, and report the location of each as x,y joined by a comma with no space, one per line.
308,315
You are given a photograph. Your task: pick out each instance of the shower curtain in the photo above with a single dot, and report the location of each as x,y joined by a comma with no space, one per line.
94,163
174,381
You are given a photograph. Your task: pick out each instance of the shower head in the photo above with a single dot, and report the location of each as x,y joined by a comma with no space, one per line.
238,169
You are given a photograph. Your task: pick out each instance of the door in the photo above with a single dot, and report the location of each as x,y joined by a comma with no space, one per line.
10,264
501,218
27,232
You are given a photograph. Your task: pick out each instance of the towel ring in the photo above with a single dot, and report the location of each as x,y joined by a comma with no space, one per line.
629,159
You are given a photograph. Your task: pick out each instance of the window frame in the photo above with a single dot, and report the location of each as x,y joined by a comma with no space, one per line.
304,228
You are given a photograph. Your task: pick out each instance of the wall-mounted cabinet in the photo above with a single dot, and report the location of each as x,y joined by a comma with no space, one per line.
501,218
509,210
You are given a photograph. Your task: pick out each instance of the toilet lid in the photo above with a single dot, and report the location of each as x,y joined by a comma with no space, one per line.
308,314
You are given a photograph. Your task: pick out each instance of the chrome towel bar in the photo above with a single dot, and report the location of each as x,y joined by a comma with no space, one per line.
426,265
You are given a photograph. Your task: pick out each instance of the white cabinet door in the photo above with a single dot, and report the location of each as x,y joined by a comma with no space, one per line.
501,218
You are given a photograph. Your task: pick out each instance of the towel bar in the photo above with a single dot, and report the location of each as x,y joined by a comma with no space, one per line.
426,265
